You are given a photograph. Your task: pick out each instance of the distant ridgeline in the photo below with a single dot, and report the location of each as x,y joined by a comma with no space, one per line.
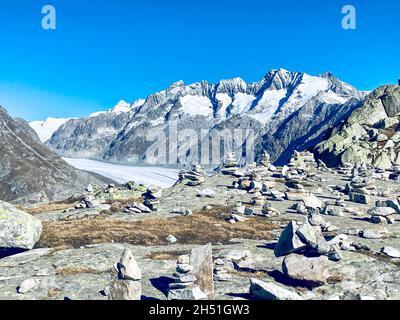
283,112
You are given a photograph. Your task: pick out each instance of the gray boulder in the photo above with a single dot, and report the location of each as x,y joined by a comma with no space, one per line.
271,291
17,228
289,241
203,268
307,271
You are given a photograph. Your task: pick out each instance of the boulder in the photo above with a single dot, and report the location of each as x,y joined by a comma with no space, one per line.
359,198
125,290
202,263
271,291
307,234
389,203
127,285
391,252
333,211
289,242
191,294
381,211
27,286
311,201
171,239
307,271
18,229
127,268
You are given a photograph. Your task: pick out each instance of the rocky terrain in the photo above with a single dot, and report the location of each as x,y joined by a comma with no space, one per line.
370,135
29,171
284,111
298,232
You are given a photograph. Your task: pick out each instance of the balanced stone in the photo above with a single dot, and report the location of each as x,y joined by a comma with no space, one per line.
152,198
195,176
128,285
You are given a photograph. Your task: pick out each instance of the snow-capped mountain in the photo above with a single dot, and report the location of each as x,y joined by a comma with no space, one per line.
285,110
121,107
45,129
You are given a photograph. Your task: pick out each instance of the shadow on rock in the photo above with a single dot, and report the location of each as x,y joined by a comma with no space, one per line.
4,252
162,284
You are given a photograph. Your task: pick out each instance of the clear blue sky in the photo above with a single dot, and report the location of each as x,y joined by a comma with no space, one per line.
103,51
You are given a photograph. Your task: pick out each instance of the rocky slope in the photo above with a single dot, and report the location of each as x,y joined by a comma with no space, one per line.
283,110
371,135
29,171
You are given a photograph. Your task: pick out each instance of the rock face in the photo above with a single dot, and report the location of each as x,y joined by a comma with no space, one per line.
370,135
18,229
284,110
29,171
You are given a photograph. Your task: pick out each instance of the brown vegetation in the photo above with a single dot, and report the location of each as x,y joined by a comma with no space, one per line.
69,271
55,206
200,228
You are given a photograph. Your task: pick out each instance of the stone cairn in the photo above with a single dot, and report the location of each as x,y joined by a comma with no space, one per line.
137,208
265,160
230,165
301,169
304,161
193,279
384,212
345,169
220,272
87,202
301,238
195,176
152,198
361,186
269,211
128,285
110,189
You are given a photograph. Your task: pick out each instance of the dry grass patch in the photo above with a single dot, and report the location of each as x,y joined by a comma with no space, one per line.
172,255
55,206
70,271
53,293
256,274
200,228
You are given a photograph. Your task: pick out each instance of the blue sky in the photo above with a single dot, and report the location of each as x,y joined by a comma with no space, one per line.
103,51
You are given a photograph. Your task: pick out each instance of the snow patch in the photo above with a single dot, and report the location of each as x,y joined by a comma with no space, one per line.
242,103
225,101
196,105
268,105
45,129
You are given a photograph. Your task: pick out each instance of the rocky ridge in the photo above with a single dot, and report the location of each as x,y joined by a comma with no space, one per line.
370,135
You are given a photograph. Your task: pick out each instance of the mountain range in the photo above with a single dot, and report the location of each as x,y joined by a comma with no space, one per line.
286,111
